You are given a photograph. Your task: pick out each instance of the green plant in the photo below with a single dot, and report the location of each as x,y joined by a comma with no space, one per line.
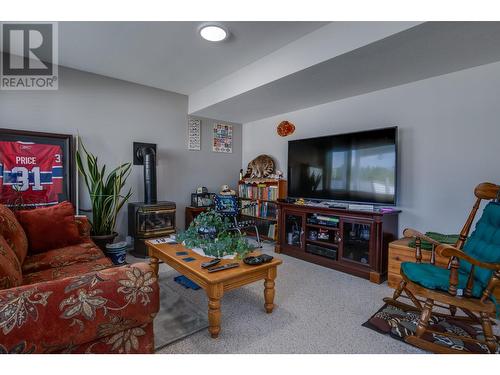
210,232
104,191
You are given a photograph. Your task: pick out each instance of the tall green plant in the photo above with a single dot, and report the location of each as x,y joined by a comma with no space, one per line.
105,191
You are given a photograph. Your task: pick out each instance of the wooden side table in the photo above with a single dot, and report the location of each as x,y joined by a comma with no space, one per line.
400,252
192,212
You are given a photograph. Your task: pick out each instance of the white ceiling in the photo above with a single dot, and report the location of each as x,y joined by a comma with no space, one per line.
426,50
170,55
267,68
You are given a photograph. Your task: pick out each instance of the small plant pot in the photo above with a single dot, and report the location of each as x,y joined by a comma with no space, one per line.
102,241
208,232
117,252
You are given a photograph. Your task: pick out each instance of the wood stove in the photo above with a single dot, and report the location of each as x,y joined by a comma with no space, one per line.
149,219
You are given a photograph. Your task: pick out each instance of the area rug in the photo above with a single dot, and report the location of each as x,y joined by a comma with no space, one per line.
177,318
399,323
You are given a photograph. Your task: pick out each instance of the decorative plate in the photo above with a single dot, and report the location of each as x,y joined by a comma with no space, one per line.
285,128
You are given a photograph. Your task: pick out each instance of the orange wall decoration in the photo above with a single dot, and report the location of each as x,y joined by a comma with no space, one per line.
285,128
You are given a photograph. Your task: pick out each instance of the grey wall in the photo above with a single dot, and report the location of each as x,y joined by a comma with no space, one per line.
207,168
110,114
449,139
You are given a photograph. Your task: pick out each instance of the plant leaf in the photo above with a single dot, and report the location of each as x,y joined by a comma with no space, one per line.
104,191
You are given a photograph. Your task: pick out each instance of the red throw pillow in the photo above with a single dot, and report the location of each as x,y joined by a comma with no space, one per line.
13,233
10,269
50,227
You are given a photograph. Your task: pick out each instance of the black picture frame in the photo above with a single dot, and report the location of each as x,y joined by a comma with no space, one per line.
202,199
67,144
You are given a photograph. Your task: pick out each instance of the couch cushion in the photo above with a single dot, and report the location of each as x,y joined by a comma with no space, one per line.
10,269
62,272
13,233
50,228
62,257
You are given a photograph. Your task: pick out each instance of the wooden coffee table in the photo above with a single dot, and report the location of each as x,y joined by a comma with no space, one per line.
216,283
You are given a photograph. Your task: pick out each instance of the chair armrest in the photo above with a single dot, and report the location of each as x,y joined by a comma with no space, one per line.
410,233
455,256
451,251
58,314
84,226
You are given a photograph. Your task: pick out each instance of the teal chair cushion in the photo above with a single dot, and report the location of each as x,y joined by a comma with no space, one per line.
436,278
484,243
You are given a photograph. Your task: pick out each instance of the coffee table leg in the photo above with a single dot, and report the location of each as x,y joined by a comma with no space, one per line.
214,293
269,290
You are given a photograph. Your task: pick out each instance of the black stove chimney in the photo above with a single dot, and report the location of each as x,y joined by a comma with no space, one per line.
149,160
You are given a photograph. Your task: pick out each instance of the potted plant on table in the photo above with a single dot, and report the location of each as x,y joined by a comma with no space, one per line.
105,192
210,234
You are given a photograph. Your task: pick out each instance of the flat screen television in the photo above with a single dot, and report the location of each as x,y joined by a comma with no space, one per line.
356,167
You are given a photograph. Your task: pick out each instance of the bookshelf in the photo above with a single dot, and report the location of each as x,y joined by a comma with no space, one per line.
263,194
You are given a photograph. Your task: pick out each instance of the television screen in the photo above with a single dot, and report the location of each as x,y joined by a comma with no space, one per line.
355,167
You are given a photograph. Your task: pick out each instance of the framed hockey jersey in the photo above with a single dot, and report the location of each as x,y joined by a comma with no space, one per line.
36,169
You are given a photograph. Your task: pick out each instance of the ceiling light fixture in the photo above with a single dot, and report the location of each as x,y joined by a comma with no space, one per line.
213,32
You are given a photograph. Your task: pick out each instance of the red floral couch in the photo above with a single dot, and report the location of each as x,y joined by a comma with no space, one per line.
71,299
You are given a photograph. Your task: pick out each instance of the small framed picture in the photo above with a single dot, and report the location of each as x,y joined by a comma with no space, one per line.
194,134
222,138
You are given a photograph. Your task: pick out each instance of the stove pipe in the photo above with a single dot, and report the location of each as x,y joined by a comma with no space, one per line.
149,160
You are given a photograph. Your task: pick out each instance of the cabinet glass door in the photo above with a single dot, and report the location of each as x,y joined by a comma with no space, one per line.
356,241
294,229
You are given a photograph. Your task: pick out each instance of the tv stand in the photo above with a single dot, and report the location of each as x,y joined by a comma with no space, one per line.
352,241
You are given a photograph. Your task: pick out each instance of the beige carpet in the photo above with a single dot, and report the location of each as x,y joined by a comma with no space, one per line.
319,310
178,317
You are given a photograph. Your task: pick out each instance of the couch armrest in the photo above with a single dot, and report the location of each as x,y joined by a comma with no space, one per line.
84,226
58,314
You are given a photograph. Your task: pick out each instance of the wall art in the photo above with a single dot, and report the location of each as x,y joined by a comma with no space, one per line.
222,138
194,134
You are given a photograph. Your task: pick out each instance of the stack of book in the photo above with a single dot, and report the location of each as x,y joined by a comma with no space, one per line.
331,221
266,210
259,191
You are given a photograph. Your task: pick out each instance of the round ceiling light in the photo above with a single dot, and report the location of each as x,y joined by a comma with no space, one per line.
213,32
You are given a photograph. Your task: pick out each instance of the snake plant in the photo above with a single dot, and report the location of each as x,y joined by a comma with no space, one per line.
104,191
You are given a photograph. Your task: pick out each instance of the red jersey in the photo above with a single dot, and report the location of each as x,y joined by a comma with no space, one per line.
30,173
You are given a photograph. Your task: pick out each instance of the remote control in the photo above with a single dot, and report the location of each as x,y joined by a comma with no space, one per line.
255,261
266,258
223,267
213,262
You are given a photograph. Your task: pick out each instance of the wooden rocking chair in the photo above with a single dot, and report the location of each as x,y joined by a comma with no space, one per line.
467,284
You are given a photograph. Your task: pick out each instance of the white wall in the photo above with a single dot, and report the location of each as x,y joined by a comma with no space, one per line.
449,129
110,115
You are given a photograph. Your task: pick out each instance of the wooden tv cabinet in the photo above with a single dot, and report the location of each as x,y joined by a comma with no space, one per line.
351,241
